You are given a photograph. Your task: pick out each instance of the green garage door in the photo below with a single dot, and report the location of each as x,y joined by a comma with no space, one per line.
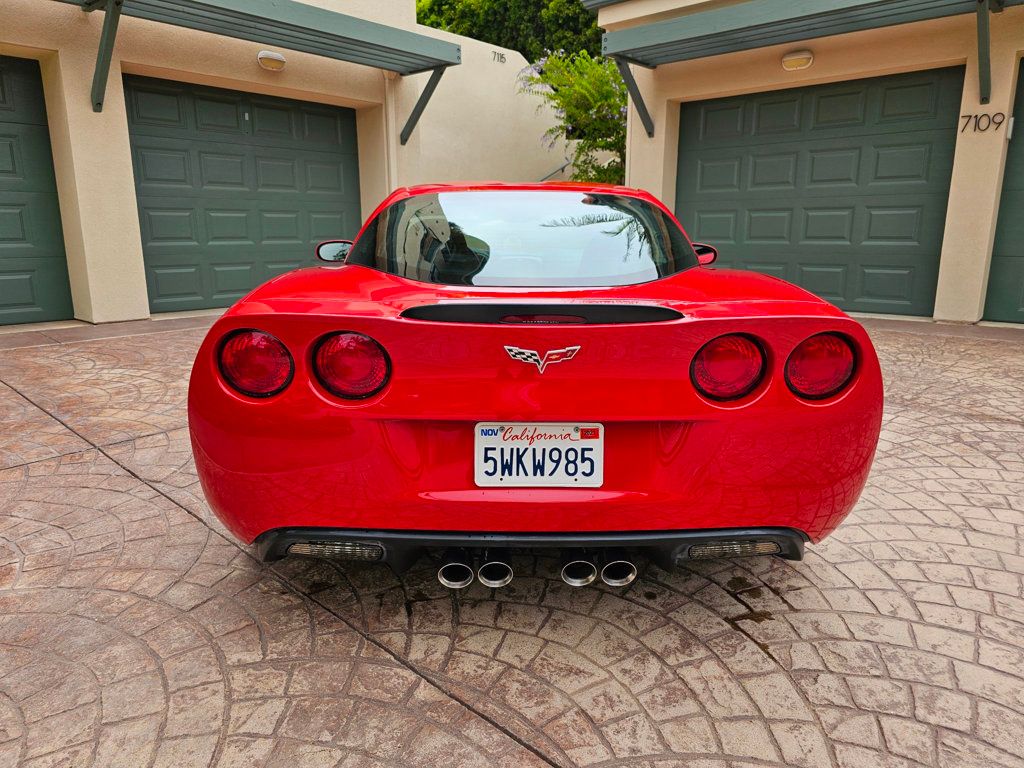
235,188
33,267
1005,300
841,188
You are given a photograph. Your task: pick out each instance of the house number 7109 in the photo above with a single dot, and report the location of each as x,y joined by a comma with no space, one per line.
982,122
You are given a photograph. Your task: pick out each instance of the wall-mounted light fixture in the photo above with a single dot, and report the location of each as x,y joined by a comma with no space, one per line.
795,60
271,60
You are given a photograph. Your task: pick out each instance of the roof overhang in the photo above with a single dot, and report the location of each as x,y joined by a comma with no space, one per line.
286,24
760,23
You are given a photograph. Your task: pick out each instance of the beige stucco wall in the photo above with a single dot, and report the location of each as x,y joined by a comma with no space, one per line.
476,126
979,158
479,126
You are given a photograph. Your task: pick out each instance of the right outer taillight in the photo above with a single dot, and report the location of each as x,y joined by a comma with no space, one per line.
727,368
820,366
255,363
351,365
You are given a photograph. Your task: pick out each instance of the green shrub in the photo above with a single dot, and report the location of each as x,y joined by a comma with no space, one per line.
589,101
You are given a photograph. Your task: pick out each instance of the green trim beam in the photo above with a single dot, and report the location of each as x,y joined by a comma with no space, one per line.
106,49
761,23
421,103
636,96
984,7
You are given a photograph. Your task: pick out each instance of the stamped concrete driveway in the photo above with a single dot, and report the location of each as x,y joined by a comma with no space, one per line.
133,632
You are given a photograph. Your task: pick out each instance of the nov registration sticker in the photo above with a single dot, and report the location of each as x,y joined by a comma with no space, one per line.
530,455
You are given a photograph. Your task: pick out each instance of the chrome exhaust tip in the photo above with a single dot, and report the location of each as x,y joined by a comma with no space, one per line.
618,571
456,572
494,573
578,572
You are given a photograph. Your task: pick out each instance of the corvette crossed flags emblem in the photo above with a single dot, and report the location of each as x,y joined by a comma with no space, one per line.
549,357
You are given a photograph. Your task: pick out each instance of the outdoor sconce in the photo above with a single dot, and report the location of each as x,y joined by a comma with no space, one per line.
271,60
795,60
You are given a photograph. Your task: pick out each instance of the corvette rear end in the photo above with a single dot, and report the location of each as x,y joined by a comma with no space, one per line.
482,399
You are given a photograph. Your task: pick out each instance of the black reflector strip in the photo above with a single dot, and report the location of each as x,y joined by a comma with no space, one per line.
591,314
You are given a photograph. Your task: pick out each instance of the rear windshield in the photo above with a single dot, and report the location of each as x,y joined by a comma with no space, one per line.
527,238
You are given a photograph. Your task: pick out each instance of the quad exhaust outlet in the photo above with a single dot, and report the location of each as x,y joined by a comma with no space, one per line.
578,571
456,572
494,573
617,570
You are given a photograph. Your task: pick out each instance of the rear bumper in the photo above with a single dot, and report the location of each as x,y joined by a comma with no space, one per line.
400,549
403,460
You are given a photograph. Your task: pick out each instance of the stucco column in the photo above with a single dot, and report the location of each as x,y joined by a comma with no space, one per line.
96,186
651,161
977,181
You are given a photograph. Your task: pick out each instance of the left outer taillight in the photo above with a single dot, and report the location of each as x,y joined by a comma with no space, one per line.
255,363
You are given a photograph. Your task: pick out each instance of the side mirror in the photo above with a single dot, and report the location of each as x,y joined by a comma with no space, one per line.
706,254
333,250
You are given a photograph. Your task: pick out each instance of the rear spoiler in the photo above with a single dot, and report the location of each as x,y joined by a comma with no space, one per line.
539,313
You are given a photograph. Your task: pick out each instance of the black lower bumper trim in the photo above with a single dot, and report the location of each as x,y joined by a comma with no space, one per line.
403,548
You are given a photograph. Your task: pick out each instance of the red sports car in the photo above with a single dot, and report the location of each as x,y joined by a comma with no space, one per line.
494,366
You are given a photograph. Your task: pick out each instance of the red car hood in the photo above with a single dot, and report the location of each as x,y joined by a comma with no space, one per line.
699,292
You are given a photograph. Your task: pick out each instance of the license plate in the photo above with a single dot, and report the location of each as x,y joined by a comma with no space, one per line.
517,455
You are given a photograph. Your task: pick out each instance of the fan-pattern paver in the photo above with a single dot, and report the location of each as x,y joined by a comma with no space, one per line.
134,632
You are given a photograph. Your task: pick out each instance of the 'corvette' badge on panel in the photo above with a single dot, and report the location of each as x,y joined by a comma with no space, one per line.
542,362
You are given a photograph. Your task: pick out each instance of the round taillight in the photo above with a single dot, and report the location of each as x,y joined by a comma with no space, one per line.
351,365
728,367
255,363
820,366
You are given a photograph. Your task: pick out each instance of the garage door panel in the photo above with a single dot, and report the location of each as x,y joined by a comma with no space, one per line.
174,284
234,188
886,284
230,282
221,170
841,188
33,290
1005,300
26,226
229,227
218,117
26,162
21,93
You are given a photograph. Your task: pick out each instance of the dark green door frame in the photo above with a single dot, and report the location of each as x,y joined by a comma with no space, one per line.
235,188
34,284
842,188
1004,300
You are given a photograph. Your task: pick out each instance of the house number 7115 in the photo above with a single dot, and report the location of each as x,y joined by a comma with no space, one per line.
982,122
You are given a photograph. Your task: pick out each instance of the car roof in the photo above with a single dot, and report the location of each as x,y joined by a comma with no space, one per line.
545,185
538,186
